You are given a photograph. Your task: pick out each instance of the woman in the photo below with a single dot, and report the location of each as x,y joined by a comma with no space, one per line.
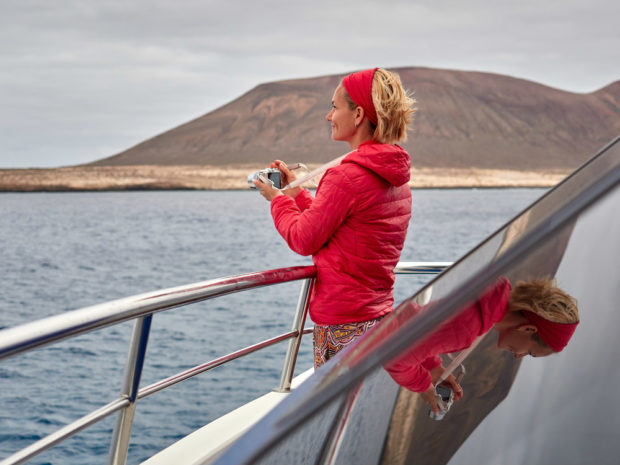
534,318
355,226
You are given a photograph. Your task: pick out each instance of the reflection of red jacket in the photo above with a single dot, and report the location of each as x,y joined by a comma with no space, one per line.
411,370
354,229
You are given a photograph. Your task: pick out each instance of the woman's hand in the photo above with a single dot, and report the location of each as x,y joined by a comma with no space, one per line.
429,398
267,190
286,177
450,381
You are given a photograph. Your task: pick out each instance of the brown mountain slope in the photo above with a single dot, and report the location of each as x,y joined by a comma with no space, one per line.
464,119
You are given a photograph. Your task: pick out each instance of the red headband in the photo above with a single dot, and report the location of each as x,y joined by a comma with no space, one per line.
359,87
556,335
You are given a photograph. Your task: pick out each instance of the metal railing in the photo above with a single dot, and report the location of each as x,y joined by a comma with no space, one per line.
28,336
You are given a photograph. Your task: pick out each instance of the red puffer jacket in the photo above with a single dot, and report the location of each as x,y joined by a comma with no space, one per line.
354,229
412,370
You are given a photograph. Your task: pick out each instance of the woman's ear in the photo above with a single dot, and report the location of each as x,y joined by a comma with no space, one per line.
359,116
528,328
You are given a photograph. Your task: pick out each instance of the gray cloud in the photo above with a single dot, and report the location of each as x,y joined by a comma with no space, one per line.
82,80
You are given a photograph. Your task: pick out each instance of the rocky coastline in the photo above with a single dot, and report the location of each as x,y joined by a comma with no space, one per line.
234,177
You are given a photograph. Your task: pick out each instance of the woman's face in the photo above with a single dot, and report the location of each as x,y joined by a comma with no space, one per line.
519,341
341,117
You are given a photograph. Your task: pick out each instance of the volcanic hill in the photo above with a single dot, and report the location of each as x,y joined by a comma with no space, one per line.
464,120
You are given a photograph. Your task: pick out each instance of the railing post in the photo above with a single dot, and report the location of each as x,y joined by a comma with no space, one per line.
133,371
299,321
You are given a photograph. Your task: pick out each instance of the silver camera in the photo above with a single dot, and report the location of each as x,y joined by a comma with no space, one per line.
268,175
445,398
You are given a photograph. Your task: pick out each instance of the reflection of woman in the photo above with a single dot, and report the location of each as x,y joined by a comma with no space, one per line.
355,226
534,318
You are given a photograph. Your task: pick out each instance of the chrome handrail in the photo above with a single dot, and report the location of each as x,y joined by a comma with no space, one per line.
65,432
44,331
141,307
191,372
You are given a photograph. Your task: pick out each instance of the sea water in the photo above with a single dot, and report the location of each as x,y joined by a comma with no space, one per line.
63,251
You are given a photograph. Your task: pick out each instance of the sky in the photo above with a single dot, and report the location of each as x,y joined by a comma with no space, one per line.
82,80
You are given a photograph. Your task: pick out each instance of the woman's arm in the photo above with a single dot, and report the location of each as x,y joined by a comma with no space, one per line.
307,231
410,374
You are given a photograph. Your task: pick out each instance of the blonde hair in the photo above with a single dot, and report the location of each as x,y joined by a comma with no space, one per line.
542,297
394,107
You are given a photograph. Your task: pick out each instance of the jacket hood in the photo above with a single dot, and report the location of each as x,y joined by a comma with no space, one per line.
391,162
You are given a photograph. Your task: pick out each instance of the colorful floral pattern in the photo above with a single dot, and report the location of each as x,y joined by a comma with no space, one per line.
329,340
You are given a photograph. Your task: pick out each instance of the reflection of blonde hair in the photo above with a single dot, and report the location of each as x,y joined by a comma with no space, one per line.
393,106
542,297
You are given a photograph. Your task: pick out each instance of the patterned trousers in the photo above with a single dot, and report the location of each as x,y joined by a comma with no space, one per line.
331,339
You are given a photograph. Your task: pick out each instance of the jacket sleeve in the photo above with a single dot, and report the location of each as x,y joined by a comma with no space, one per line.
303,199
432,362
307,231
410,374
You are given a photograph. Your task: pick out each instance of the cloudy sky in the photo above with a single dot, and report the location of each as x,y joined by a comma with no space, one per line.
85,79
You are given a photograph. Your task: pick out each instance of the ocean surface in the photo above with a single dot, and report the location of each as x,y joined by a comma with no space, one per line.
63,251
